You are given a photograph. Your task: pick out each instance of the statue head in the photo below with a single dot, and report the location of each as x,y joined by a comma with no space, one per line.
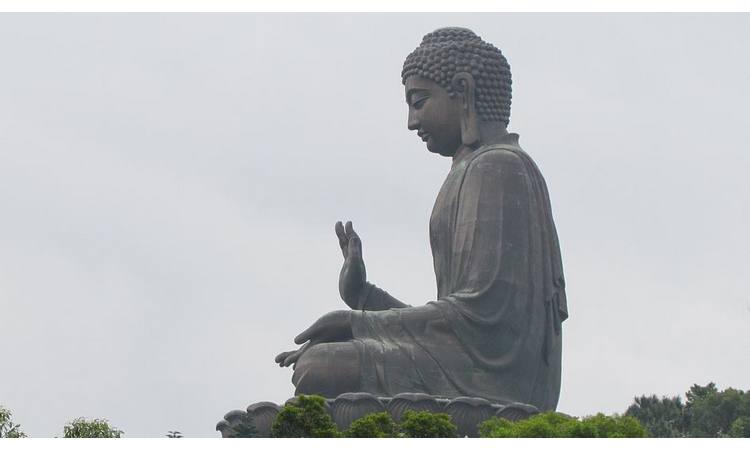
454,82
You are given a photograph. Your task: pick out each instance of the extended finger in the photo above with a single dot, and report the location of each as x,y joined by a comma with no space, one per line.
343,240
291,359
355,247
352,233
355,243
283,356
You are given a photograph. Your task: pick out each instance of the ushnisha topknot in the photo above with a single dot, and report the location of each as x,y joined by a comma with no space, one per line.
447,51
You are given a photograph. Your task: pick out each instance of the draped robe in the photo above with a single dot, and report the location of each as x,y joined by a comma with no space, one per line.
495,330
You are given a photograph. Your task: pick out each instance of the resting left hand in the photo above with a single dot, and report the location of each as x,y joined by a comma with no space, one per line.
335,326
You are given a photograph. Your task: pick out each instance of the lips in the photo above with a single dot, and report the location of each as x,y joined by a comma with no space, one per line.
424,136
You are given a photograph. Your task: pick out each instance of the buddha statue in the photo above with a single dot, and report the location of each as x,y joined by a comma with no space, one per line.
494,330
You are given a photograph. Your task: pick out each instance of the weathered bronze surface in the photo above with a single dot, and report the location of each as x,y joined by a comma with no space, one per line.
494,331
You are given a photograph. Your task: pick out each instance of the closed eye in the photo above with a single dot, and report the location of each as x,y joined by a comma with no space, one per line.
419,103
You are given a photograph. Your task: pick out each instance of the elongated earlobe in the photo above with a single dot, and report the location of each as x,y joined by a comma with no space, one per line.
463,85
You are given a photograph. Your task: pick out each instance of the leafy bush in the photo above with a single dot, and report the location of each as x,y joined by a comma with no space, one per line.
556,425
97,428
244,429
601,426
422,424
425,424
497,427
305,416
377,425
553,425
8,429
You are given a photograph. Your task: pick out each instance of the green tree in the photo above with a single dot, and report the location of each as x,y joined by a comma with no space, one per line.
8,429
556,425
698,392
707,412
377,425
711,413
663,418
96,428
425,424
740,428
304,416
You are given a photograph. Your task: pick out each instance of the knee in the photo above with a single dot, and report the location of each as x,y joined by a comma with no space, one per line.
327,370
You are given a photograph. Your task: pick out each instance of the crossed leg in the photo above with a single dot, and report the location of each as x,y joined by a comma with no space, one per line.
328,370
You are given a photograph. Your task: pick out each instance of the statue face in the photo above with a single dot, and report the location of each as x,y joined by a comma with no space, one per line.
434,115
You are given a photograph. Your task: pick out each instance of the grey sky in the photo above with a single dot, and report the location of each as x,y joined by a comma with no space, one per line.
169,185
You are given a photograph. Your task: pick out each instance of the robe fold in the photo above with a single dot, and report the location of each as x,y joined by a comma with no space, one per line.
495,329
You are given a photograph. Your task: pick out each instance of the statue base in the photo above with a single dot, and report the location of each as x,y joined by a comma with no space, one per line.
465,412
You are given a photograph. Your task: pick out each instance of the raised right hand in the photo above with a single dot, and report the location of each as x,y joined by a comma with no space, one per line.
353,275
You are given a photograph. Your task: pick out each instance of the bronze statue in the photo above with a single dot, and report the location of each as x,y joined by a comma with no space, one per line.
495,329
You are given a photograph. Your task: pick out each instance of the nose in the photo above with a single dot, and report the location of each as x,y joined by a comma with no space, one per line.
413,121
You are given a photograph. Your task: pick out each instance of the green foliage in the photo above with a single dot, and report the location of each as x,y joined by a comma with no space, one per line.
615,426
496,427
244,429
422,424
708,412
425,424
305,416
663,418
96,428
8,429
550,424
740,428
540,425
698,392
712,413
377,425
556,425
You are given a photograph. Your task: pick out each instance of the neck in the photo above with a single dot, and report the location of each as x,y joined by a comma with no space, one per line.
489,133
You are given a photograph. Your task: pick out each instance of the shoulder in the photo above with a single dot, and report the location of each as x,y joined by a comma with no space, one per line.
496,159
498,170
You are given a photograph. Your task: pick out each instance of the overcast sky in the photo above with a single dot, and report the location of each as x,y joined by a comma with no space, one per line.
169,185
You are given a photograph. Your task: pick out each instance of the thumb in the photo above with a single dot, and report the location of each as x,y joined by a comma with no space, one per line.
307,334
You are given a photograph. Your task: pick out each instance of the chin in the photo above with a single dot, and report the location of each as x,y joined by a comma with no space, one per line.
440,151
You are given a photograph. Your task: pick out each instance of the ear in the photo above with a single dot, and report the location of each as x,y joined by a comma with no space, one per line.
463,84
